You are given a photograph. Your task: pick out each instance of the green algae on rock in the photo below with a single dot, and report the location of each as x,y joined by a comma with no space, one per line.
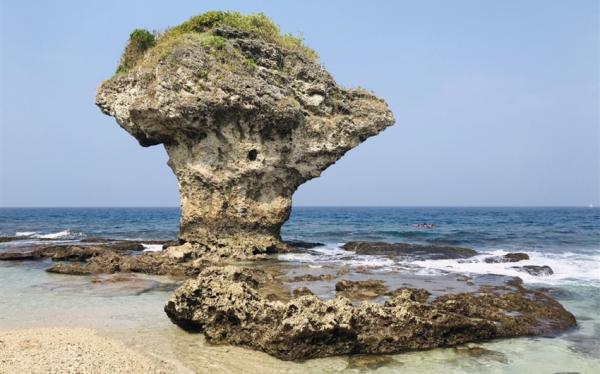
246,115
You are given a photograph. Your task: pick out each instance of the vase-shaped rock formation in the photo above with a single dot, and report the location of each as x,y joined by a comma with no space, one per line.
246,116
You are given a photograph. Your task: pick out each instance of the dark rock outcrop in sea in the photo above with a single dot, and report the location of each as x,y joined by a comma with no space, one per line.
71,252
246,116
415,251
509,257
4,239
536,270
147,263
227,305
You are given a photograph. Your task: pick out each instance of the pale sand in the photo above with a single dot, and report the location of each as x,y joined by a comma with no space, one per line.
71,350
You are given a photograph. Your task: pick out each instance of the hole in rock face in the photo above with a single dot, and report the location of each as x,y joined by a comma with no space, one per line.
252,154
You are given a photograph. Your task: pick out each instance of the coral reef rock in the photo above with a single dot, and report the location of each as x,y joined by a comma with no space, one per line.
246,116
227,305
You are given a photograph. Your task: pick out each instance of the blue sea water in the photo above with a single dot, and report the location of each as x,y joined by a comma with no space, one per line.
567,239
545,229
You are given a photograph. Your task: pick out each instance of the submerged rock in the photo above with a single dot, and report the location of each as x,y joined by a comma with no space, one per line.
366,289
246,116
313,278
509,257
536,270
371,362
416,251
300,246
302,291
19,256
480,352
227,305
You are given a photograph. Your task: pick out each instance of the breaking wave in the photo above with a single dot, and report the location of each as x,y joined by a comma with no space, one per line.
60,235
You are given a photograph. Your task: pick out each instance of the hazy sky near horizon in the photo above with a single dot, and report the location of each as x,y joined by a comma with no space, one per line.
496,102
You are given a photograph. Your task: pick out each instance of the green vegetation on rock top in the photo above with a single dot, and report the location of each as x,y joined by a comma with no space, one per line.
140,41
257,24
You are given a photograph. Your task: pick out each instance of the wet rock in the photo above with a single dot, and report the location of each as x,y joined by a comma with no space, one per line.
480,352
300,246
71,252
133,284
4,239
18,256
70,269
509,257
244,124
225,303
535,270
560,293
125,245
302,291
313,278
416,251
146,263
367,289
366,269
138,244
412,294
343,271
371,362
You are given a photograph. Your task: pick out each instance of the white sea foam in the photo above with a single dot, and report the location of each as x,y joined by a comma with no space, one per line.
26,233
152,247
334,254
567,267
65,234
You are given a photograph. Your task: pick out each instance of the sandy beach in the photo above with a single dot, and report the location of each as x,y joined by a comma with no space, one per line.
71,350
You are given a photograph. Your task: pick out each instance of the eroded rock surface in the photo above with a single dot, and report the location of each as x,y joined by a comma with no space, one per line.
245,120
227,305
109,262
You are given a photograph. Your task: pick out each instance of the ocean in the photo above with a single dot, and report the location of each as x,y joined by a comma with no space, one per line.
566,239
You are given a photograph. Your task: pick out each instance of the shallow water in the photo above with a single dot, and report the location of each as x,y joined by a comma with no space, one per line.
131,310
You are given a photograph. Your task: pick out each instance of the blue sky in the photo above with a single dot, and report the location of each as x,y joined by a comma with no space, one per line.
496,102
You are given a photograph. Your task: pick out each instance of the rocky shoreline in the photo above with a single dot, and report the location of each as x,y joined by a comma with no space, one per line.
296,312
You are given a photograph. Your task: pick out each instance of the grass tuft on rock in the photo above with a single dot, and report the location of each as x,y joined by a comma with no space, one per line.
259,25
140,41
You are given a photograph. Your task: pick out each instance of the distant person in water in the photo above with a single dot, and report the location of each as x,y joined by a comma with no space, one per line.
424,225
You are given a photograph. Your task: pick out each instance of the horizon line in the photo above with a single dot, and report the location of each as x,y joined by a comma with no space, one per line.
306,206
